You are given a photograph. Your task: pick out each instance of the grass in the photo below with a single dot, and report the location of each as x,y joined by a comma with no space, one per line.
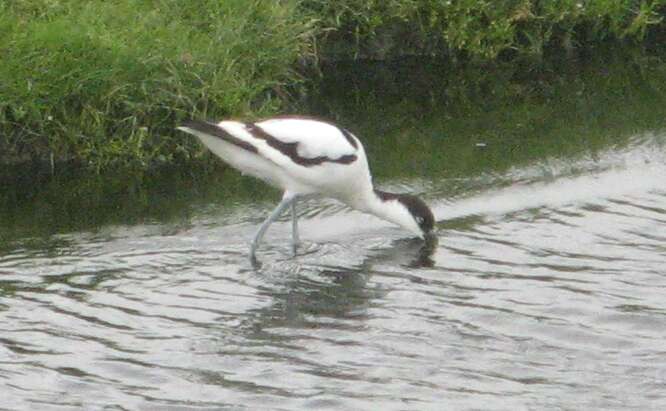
483,30
104,82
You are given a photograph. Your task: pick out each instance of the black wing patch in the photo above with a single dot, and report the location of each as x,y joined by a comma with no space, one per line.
288,149
215,131
350,138
291,149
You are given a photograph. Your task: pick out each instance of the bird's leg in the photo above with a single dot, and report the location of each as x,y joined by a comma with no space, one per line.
286,201
295,240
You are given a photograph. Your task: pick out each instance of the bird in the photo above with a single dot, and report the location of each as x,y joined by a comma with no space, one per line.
308,157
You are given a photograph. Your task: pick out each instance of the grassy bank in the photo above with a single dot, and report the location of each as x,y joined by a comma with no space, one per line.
102,83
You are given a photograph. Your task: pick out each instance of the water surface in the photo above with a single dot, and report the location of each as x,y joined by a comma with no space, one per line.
545,291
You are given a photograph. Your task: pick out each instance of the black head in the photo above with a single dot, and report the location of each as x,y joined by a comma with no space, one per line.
417,208
420,210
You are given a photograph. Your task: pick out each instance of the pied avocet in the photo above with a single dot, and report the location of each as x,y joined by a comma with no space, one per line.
308,157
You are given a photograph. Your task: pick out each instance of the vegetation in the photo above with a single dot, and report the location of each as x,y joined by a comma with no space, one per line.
103,83
484,30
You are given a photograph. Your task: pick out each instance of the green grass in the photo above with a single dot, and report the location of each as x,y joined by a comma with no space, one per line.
483,30
104,82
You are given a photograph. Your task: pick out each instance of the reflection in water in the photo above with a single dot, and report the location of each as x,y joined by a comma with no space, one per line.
406,252
335,292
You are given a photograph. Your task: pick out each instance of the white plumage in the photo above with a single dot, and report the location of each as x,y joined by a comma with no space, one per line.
314,138
305,157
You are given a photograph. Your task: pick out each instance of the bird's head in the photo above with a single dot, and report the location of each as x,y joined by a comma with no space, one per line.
412,213
420,212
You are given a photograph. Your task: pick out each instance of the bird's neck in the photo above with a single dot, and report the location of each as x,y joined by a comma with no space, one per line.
387,207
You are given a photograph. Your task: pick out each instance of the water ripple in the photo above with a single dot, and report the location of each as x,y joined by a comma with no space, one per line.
544,294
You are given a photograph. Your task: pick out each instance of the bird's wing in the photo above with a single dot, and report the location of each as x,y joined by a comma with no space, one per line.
226,134
307,141
287,142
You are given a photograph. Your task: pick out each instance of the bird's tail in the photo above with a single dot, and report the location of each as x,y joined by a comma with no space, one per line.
203,129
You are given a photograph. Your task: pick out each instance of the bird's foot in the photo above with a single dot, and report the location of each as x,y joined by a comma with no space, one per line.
253,255
294,247
256,264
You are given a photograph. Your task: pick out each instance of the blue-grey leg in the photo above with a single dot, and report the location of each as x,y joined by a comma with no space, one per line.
295,240
286,201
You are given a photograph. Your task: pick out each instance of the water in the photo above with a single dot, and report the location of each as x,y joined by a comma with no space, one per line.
545,291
